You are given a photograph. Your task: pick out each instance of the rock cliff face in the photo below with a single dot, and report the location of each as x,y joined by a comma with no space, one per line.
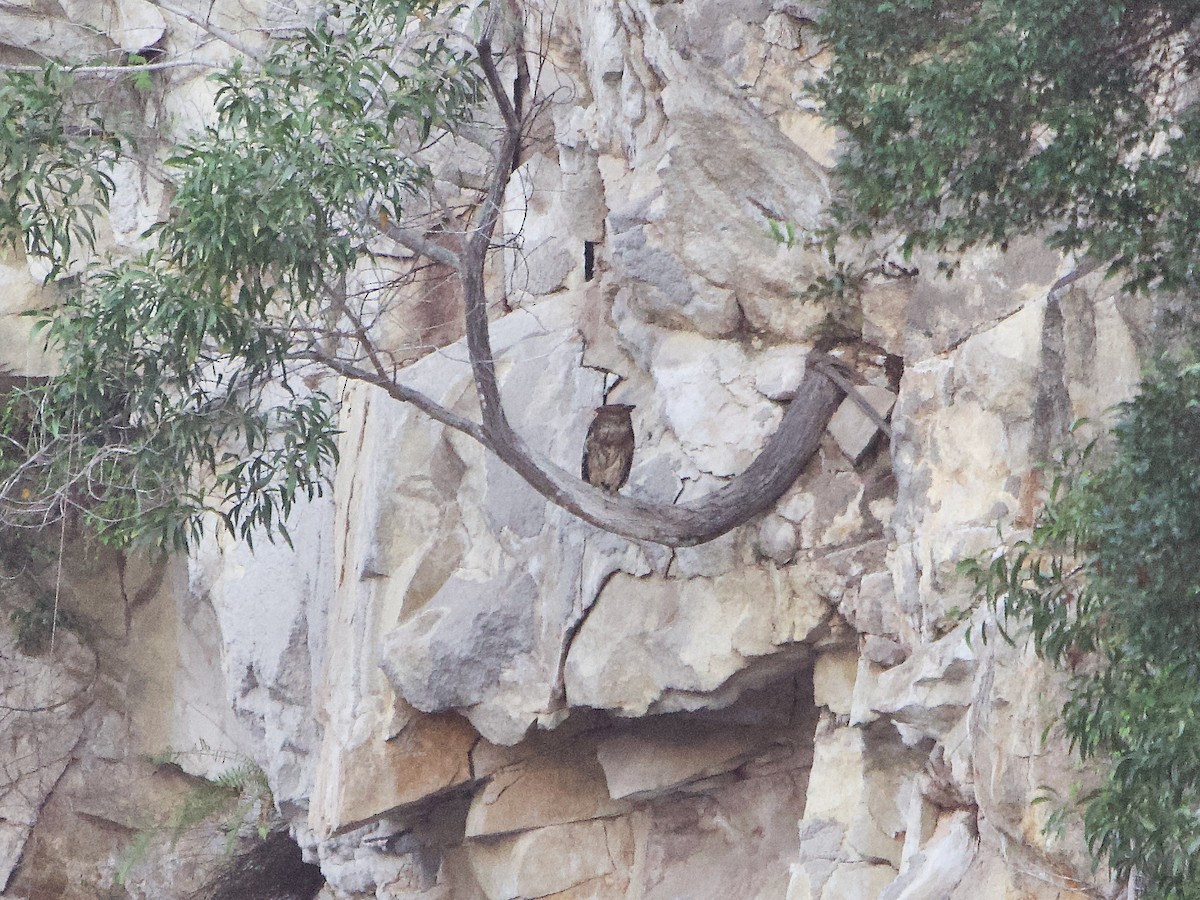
457,690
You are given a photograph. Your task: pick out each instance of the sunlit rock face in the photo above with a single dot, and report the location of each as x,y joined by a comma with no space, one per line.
455,689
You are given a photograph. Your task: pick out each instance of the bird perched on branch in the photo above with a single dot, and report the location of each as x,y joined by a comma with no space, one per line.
608,450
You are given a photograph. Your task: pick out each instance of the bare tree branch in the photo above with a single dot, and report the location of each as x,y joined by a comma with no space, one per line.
220,34
859,400
115,70
417,242
400,392
1089,265
477,243
508,106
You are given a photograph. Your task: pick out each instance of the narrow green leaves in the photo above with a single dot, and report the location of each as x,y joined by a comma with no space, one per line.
56,161
974,122
182,395
1108,587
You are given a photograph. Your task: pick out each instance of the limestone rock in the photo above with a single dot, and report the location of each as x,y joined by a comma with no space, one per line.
552,859
852,428
716,176
48,35
858,880
820,852
652,761
1013,765
885,313
710,403
132,25
656,645
266,617
478,629
42,700
840,790
989,287
20,353
930,691
777,372
872,610
456,690
548,205
938,869
834,675
542,791
695,844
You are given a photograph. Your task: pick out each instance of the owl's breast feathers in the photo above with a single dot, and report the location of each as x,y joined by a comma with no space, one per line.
608,450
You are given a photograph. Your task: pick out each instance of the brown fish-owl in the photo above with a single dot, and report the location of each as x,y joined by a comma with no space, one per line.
608,450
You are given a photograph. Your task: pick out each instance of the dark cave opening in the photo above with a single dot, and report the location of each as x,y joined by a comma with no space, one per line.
270,869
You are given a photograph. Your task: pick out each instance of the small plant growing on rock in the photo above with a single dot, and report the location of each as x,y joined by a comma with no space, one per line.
34,608
229,799
838,287
34,625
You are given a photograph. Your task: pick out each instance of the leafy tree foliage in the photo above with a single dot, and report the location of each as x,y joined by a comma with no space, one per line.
1108,584
178,393
190,376
973,121
55,157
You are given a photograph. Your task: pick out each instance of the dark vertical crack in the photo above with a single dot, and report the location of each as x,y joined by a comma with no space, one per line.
1052,403
589,260
558,699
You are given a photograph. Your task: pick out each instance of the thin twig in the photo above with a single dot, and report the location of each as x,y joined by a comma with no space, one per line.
360,330
400,392
115,70
219,33
62,542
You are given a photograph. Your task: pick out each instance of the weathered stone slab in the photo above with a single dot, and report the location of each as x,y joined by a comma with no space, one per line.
852,428
937,870
542,791
659,758
661,645
547,860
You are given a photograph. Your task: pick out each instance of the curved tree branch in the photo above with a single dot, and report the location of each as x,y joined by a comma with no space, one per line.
764,481
477,243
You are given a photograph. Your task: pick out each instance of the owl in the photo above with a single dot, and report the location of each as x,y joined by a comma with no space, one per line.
608,450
